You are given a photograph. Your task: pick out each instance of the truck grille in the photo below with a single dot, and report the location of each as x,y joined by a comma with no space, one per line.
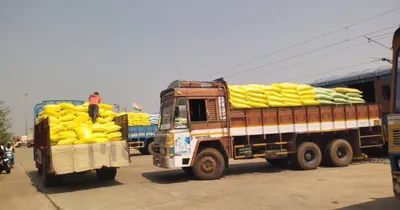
396,136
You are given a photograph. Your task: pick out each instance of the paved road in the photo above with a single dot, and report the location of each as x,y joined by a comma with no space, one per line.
249,184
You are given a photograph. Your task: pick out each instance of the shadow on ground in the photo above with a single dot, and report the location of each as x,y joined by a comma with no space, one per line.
177,176
71,183
389,203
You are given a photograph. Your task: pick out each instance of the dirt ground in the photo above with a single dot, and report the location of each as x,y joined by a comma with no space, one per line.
251,184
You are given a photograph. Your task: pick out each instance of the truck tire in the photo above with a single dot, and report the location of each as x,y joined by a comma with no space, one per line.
144,151
105,174
209,164
188,170
148,149
338,153
308,156
283,162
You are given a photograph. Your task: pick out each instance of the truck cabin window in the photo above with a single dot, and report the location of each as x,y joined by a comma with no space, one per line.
167,107
180,113
198,111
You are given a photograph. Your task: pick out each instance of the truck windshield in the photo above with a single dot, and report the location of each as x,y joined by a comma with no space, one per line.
167,108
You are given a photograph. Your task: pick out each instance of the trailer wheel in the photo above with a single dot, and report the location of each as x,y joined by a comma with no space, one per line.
308,156
144,151
105,174
209,164
188,170
283,162
338,153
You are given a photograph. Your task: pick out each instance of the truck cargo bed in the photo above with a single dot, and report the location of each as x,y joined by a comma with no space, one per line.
259,121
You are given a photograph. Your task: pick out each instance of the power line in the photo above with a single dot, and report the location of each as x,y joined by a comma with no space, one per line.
308,52
317,58
307,61
333,70
304,42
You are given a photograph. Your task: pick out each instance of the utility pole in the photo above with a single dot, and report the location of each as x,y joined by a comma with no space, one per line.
26,113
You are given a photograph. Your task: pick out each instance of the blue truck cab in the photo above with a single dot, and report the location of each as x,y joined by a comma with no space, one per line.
142,138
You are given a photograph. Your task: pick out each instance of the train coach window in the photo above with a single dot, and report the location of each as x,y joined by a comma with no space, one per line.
368,89
386,92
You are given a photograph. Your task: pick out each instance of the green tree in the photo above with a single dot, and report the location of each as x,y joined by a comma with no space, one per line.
5,136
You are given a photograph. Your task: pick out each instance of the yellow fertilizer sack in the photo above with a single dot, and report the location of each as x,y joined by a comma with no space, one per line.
272,93
274,98
254,90
67,134
308,97
310,102
56,128
258,105
289,86
255,100
290,100
237,95
81,108
54,138
291,96
304,87
271,89
105,106
66,106
100,135
347,90
68,141
52,107
236,90
52,113
307,92
113,128
114,135
68,117
239,106
290,91
83,132
108,113
256,95
71,126
66,111
99,127
239,101
293,104
108,124
276,104
277,85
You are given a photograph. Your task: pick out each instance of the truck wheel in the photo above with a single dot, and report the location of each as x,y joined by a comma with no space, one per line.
105,174
144,151
7,168
338,153
308,156
209,164
150,148
278,162
188,170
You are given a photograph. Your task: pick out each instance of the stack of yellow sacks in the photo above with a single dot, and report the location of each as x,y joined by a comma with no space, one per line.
70,124
289,94
137,119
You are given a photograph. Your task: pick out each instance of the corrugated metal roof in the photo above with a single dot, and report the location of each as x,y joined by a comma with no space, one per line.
353,76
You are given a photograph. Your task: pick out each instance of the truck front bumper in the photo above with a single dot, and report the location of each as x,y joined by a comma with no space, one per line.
163,161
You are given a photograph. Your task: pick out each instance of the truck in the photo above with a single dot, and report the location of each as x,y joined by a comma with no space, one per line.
200,131
54,162
393,119
142,138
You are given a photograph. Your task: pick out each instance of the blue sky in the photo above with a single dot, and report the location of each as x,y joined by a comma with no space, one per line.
131,50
